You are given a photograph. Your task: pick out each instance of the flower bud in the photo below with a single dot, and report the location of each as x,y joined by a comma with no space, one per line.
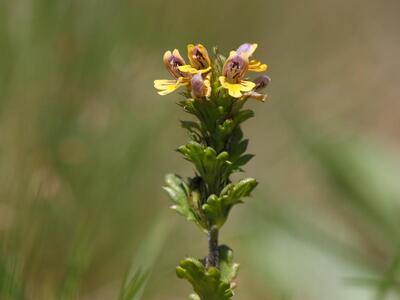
261,82
200,88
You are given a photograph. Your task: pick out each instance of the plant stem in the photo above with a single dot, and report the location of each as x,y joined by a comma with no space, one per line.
213,253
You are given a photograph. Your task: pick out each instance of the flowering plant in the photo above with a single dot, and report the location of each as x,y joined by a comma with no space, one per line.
215,92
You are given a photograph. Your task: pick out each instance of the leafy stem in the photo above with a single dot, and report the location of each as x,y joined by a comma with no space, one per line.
213,255
217,149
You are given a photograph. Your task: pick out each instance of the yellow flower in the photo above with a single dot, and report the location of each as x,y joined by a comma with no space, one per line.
199,60
248,49
234,69
172,62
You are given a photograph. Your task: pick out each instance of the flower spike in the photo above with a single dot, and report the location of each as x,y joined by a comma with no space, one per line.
215,91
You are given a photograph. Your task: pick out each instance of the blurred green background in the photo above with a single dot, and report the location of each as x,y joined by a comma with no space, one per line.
85,142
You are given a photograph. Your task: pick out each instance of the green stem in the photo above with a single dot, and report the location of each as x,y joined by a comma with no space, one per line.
213,253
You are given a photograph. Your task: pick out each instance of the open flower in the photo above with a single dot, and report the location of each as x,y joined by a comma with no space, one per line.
172,62
199,60
233,72
235,69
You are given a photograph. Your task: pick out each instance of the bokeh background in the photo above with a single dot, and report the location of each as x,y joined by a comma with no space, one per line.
85,142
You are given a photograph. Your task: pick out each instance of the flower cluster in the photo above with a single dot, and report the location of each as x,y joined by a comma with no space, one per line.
201,75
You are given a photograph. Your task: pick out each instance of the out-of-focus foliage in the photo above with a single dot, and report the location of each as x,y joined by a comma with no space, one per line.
137,277
85,141
356,240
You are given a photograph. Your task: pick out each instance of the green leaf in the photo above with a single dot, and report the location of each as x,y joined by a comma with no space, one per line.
213,167
217,208
238,149
237,106
227,267
242,116
179,193
237,136
241,161
194,129
215,211
208,284
233,193
190,125
211,284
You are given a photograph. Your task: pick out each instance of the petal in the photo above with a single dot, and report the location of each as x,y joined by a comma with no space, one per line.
247,86
235,67
207,83
205,70
162,83
255,95
222,80
233,88
198,56
189,69
167,56
256,66
190,48
168,86
247,49
177,55
172,61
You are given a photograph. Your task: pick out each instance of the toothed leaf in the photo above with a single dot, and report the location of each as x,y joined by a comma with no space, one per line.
179,193
208,284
